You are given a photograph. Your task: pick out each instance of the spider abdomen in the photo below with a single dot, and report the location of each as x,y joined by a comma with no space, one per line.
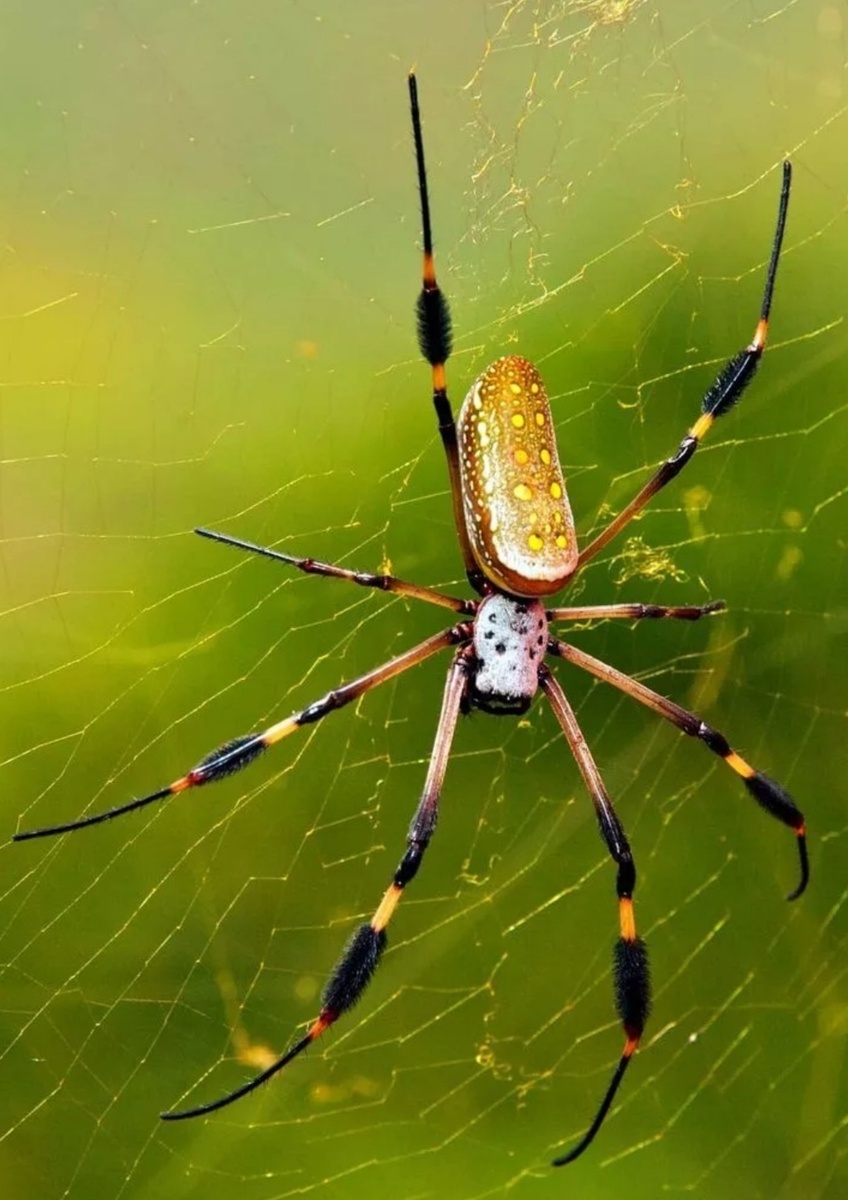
516,509
510,639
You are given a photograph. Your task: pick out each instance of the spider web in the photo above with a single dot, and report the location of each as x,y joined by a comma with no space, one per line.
210,258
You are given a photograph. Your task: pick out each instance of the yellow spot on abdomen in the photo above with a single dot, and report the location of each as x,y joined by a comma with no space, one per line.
535,542
555,490
517,421
522,492
522,457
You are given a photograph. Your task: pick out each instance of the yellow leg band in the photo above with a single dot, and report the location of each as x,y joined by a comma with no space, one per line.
739,765
386,908
277,732
627,920
701,426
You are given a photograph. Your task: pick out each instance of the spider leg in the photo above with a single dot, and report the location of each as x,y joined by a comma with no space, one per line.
361,956
630,959
312,566
768,794
241,751
726,391
635,612
434,341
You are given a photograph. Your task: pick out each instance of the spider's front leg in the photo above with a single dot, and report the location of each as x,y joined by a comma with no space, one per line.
631,977
361,956
767,792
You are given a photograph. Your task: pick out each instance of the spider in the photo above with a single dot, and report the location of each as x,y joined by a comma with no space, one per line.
518,542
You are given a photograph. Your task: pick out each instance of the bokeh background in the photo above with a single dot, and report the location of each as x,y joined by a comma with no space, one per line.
209,262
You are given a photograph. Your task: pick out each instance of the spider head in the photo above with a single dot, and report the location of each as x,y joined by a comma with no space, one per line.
510,638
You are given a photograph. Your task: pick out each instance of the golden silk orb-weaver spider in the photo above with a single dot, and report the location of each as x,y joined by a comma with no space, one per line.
519,546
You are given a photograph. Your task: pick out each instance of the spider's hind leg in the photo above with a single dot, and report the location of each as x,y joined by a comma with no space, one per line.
313,566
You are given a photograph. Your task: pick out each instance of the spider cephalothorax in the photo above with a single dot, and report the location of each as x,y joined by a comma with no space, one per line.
510,639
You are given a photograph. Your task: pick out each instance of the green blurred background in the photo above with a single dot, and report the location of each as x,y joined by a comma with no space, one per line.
210,256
